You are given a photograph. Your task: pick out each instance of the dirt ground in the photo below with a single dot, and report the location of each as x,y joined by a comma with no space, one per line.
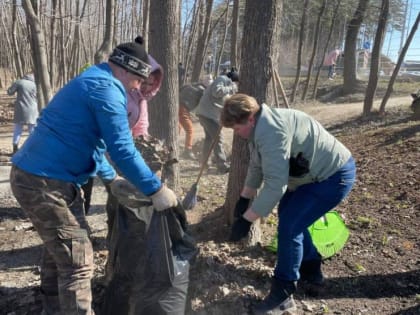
377,272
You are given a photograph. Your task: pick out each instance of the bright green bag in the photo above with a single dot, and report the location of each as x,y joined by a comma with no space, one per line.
329,235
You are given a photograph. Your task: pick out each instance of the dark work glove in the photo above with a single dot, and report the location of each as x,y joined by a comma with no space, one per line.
240,229
241,206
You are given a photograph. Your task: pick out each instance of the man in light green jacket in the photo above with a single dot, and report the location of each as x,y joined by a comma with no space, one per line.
296,162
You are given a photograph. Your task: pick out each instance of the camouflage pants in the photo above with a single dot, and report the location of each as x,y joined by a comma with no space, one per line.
56,211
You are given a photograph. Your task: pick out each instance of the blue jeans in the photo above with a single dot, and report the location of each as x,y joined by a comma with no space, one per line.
331,71
298,210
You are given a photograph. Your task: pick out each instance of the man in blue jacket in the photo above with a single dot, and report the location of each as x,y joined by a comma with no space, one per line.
85,119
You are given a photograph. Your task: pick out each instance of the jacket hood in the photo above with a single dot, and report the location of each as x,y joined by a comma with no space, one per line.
29,77
156,71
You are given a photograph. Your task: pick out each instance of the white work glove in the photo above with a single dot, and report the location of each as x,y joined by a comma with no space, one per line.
164,198
126,193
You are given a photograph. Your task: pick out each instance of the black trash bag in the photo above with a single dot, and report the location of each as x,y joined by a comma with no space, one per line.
149,259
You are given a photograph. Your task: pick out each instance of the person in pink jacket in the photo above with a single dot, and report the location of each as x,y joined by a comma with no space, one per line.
138,116
331,61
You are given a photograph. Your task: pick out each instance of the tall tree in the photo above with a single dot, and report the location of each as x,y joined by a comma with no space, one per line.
350,46
300,48
327,42
262,26
39,49
376,54
314,48
202,43
107,42
146,16
17,61
398,65
234,35
163,46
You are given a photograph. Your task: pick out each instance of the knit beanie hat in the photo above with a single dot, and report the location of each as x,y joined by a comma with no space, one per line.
132,57
233,75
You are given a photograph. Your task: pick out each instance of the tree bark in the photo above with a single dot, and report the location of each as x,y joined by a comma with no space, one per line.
202,44
262,26
39,54
350,54
18,63
376,53
314,49
398,65
234,35
321,63
164,33
106,45
300,47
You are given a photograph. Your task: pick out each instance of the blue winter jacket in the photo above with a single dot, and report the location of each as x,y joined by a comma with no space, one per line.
86,118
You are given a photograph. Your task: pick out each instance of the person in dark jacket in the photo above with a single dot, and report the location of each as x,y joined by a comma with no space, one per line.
26,107
85,119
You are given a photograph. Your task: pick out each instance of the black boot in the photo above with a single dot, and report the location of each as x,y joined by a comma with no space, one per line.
15,148
310,271
279,300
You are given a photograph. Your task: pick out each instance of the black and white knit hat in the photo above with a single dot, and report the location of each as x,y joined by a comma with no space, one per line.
132,57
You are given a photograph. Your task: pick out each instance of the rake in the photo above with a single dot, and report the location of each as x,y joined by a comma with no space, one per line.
329,235
190,199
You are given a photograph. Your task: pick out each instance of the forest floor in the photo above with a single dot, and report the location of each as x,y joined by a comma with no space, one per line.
377,272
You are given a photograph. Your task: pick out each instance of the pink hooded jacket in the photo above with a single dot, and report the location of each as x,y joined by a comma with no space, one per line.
138,116
331,58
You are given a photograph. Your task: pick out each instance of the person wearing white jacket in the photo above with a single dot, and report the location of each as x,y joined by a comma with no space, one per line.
208,112
26,107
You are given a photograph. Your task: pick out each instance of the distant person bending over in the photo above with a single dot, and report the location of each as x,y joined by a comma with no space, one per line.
295,162
26,107
190,95
208,112
85,119
331,61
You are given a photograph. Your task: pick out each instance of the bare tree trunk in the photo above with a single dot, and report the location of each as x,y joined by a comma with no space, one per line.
300,47
39,54
53,64
332,26
146,17
106,45
202,44
398,65
193,35
234,35
374,64
16,54
78,42
164,31
63,59
262,29
222,45
314,49
349,71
